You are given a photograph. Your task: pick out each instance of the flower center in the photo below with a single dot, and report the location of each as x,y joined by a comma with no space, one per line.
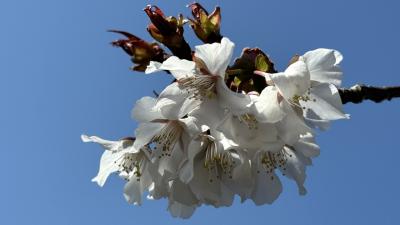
295,100
167,138
131,165
217,163
249,120
273,160
199,86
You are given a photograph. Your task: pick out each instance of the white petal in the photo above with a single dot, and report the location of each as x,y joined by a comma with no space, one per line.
153,67
291,126
159,188
190,125
171,163
145,132
324,65
294,81
173,102
227,197
316,123
324,102
145,110
224,142
180,210
186,172
307,146
267,188
242,181
267,108
194,148
204,189
108,164
134,189
216,56
208,114
132,192
245,137
179,68
172,90
180,192
237,103
296,169
107,145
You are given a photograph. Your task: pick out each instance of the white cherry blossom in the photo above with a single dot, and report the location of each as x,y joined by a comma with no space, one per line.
311,84
206,168
205,77
169,134
131,164
291,161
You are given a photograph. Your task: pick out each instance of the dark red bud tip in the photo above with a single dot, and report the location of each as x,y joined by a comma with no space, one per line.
118,43
126,34
196,8
152,10
147,10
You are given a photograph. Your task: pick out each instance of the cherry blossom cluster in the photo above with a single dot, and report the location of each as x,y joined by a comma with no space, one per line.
204,141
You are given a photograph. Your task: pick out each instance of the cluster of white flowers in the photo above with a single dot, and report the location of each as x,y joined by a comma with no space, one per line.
199,142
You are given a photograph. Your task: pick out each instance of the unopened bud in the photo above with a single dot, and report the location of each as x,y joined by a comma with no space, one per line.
169,31
206,26
141,52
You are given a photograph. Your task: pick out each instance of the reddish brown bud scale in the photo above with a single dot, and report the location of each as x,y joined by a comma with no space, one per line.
206,26
141,52
168,31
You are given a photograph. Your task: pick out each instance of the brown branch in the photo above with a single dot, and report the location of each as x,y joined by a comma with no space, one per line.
359,93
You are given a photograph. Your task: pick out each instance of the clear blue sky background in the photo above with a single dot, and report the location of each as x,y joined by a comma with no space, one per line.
59,77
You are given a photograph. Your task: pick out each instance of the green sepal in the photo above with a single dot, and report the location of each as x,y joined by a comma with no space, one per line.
261,63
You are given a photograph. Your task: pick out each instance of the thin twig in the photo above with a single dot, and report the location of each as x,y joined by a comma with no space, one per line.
359,93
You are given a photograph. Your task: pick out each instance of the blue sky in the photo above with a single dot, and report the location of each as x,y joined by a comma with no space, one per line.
60,78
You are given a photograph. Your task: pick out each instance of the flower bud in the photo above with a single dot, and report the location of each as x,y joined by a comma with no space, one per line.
141,52
167,30
206,26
